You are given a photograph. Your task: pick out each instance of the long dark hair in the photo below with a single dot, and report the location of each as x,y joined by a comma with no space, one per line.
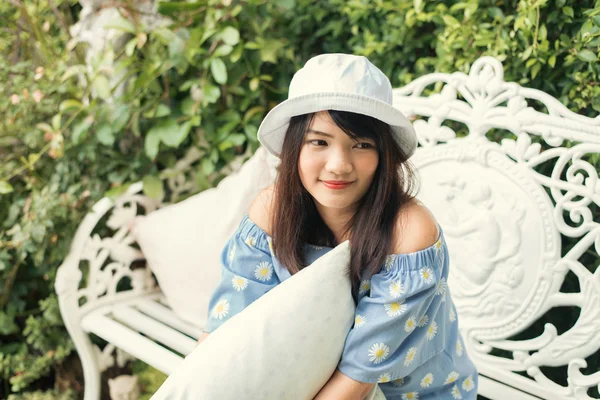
296,220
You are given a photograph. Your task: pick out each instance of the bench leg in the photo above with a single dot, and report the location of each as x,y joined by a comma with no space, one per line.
91,369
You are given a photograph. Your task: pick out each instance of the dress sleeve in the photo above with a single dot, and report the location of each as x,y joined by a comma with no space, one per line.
247,274
399,321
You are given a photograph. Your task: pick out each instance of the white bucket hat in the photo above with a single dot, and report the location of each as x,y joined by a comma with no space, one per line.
341,82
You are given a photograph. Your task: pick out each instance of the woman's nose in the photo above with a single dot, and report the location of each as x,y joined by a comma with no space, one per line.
339,162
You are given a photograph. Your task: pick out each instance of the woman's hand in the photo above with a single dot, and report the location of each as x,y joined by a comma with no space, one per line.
341,387
202,337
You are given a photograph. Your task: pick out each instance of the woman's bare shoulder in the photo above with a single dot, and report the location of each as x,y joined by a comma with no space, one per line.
261,210
416,228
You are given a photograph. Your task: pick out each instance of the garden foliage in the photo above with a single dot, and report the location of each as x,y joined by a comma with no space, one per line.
72,132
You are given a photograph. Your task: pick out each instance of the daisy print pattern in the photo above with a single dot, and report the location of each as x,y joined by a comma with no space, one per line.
410,396
378,352
410,356
396,289
384,378
365,286
468,384
239,283
432,330
263,271
396,308
452,316
423,321
459,348
410,324
427,380
456,393
270,245
250,241
221,309
231,253
398,382
359,321
427,275
389,260
452,377
441,287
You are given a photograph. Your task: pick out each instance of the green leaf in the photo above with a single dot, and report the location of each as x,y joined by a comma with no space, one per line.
120,24
254,82
130,46
587,56
237,54
173,8
116,191
189,106
568,11
211,93
72,71
535,70
268,53
287,4
223,50
418,4
552,61
7,324
102,87
218,70
165,130
5,187
250,131
208,167
451,21
120,116
68,104
151,143
596,20
56,120
80,129
230,36
105,134
38,232
153,187
44,127
162,110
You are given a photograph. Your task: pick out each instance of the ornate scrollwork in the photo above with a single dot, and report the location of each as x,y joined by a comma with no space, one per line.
505,209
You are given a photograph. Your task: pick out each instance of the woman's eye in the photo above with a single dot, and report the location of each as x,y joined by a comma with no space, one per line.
318,142
365,145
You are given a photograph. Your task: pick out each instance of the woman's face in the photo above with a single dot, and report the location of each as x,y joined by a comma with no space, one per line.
334,168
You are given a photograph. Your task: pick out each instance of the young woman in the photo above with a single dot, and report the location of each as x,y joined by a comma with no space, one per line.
344,176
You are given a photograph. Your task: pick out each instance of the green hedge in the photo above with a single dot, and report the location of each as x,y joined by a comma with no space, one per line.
67,137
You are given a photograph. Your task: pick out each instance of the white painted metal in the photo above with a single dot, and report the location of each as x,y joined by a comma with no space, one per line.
153,329
503,220
132,342
164,314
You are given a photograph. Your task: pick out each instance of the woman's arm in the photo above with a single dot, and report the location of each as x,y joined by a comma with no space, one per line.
341,387
202,337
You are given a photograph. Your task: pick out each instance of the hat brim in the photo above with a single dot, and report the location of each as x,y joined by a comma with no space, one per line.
274,126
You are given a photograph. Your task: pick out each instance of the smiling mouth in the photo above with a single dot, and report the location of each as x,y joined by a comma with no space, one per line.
336,184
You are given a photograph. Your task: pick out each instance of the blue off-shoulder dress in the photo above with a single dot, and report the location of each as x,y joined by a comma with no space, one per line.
405,335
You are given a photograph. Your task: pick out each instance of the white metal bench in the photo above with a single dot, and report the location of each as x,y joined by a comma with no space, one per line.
505,209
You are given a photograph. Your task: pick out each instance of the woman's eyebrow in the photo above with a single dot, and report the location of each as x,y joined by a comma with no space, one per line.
319,132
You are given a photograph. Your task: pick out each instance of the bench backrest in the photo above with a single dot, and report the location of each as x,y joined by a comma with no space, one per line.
519,221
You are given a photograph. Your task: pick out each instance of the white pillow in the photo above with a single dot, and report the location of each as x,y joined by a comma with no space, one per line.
285,345
183,242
